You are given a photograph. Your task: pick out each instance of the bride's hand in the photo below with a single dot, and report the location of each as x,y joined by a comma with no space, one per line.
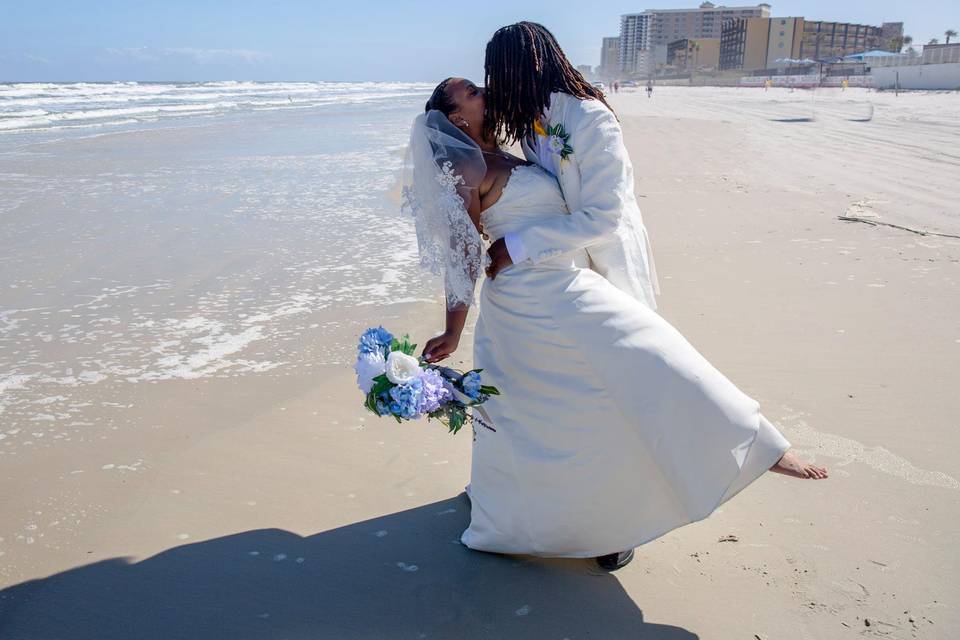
441,347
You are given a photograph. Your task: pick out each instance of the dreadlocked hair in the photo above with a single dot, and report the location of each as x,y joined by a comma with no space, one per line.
439,99
524,65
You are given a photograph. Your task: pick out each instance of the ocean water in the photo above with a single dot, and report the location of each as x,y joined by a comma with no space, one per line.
154,232
112,104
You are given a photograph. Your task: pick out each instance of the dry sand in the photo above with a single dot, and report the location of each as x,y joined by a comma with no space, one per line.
275,507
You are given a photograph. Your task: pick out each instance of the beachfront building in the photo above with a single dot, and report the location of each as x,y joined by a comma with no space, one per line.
940,53
653,30
749,44
829,40
634,43
706,21
938,67
691,55
610,57
757,43
891,35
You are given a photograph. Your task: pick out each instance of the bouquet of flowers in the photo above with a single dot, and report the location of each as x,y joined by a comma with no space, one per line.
397,384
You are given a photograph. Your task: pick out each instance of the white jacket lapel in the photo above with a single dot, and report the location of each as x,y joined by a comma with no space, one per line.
558,115
528,146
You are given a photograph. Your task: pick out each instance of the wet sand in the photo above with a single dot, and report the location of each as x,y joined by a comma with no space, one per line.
269,504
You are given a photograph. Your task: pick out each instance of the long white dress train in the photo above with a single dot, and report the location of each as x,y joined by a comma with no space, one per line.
611,429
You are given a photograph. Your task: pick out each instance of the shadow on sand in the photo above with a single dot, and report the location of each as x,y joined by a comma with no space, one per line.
403,575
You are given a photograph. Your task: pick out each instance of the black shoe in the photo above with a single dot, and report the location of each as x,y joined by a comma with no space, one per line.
614,561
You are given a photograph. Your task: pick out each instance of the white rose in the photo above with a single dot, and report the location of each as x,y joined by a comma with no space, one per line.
402,368
368,367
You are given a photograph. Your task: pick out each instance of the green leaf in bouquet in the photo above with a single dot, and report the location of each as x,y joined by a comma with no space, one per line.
457,419
394,345
488,390
404,345
381,384
371,402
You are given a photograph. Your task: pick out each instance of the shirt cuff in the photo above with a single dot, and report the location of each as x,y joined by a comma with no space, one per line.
515,248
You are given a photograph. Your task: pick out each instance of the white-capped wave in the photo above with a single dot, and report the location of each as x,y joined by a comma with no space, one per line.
46,105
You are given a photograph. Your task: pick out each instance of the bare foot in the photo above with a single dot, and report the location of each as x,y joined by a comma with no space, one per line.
791,465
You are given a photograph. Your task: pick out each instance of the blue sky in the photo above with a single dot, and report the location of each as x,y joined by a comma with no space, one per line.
345,40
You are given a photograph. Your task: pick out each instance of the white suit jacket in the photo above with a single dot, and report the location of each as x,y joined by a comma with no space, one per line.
597,182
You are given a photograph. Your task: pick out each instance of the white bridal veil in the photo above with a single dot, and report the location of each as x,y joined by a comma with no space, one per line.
441,177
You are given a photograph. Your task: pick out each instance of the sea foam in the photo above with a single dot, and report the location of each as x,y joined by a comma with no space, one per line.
28,106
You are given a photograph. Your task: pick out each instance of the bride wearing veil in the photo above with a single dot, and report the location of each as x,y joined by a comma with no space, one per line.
611,429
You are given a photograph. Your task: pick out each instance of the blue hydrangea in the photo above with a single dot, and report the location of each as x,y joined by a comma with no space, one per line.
405,399
375,340
471,385
434,392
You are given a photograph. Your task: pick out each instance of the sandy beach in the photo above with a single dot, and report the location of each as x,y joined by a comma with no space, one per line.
194,461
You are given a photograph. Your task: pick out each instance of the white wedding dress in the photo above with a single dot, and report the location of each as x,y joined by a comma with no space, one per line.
611,429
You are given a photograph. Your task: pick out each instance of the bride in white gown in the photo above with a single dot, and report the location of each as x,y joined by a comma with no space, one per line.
611,429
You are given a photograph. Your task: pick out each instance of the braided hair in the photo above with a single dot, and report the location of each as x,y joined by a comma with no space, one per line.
440,100
524,65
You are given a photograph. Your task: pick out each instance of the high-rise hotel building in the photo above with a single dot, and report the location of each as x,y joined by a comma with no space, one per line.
644,35
634,42
610,56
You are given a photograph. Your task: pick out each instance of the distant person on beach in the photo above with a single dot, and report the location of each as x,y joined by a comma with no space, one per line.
650,88
616,87
611,429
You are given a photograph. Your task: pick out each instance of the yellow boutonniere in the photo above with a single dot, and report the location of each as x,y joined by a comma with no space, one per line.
538,128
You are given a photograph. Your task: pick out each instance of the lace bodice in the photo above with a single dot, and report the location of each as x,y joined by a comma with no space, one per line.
530,194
